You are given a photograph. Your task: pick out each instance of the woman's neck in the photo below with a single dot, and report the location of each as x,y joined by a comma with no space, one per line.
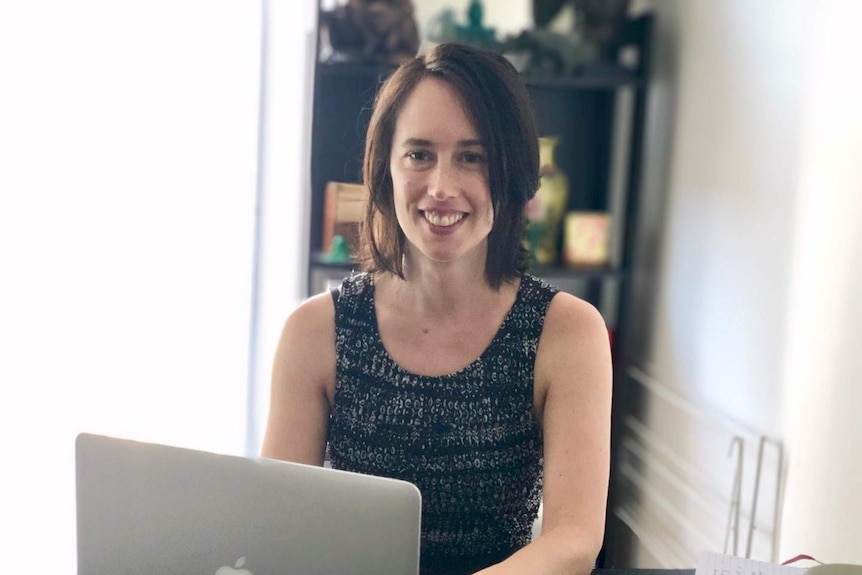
440,290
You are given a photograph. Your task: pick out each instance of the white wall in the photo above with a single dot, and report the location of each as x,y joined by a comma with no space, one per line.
128,173
285,179
751,314
823,366
720,315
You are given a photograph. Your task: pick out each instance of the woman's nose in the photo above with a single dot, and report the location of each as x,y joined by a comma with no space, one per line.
444,182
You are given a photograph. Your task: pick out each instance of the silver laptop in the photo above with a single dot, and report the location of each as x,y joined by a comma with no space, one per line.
151,509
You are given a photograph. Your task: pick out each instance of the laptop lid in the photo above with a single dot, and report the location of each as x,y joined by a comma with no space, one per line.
145,508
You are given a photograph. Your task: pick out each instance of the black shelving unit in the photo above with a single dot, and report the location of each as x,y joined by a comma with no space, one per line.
581,110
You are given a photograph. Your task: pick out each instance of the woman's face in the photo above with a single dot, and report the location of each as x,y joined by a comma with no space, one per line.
439,174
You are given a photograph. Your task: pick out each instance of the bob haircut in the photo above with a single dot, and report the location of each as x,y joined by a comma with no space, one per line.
497,102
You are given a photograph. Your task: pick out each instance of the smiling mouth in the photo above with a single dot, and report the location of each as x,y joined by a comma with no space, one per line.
443,220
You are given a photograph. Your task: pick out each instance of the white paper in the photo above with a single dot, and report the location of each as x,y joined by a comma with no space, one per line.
720,564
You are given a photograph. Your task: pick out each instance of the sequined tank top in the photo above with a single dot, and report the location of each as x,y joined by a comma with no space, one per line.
469,440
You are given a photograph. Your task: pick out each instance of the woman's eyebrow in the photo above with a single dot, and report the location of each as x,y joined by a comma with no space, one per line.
421,142
417,142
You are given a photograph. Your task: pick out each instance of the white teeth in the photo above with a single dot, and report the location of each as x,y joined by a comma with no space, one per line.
443,221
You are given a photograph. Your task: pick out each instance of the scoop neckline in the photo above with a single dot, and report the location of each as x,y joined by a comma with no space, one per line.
497,336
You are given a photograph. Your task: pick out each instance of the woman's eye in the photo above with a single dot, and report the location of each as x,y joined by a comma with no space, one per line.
472,158
419,156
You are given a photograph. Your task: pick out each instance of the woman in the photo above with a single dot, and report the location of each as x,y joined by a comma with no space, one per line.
445,364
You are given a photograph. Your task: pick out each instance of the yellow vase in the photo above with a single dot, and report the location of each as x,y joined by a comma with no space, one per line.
546,210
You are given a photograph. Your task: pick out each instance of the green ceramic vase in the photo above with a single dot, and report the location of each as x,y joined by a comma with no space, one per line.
546,210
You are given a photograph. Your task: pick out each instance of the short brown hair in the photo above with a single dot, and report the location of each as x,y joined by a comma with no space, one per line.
500,108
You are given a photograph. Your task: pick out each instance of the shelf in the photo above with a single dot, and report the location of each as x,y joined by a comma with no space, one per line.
317,261
575,273
361,69
548,273
595,77
606,78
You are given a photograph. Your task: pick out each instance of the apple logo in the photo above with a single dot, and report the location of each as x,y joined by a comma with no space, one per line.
235,570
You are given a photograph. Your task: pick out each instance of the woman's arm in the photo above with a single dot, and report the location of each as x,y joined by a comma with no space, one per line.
303,380
573,377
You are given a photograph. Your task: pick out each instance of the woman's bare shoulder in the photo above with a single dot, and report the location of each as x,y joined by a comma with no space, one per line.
314,315
571,317
303,377
308,337
574,345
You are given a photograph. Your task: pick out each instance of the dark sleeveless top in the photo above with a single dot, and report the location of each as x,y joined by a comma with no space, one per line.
469,440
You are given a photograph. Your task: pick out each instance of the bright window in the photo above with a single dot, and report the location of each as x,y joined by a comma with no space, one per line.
129,179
